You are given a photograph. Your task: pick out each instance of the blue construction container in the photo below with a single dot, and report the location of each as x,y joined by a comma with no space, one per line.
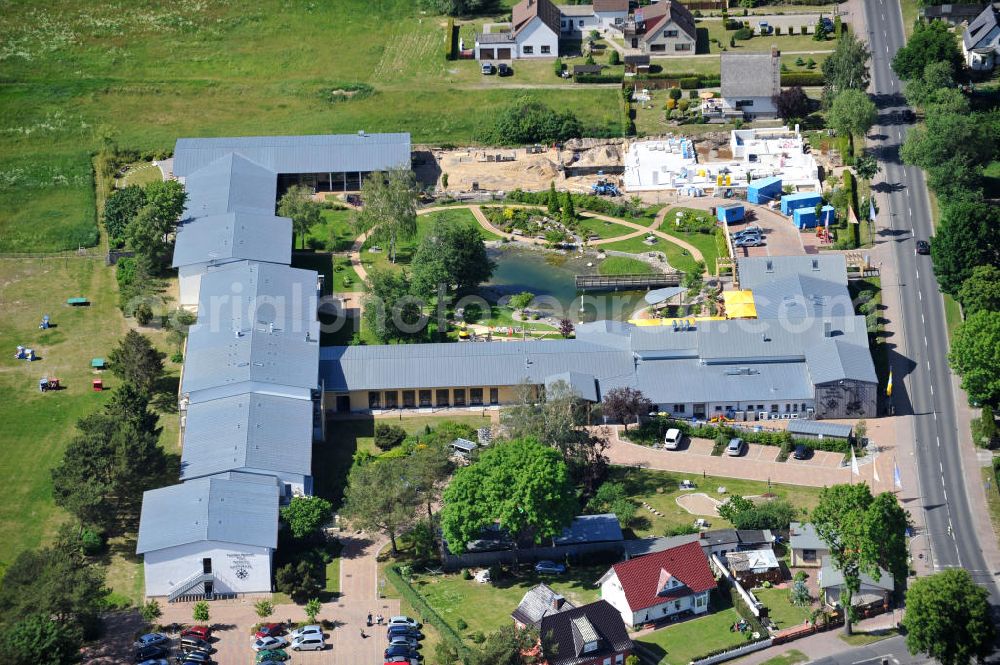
790,202
731,213
805,218
764,191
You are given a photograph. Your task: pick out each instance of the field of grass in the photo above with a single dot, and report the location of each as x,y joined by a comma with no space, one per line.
681,643
622,265
487,607
782,612
144,75
334,233
660,490
677,256
784,42
910,10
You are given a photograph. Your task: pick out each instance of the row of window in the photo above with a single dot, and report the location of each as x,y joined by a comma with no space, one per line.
410,399
545,49
775,408
659,48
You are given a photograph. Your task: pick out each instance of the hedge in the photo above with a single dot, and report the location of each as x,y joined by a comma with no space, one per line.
852,200
449,41
649,432
425,611
801,78
597,78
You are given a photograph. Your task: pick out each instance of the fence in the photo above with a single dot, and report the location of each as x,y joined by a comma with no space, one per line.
734,653
528,555
627,282
753,604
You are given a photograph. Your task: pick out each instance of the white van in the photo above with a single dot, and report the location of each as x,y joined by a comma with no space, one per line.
672,440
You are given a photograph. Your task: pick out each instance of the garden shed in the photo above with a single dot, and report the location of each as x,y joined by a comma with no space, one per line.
764,190
792,202
805,218
730,213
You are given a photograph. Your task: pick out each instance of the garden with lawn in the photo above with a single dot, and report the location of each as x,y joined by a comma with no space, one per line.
780,608
681,643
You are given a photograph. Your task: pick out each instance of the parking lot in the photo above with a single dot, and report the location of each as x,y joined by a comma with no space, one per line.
781,238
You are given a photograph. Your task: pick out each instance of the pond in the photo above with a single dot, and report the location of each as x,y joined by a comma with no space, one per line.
551,277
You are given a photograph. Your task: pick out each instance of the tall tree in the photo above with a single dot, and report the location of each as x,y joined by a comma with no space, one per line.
852,112
305,515
137,362
451,254
936,76
553,200
508,645
848,520
389,311
886,523
626,404
521,485
791,103
968,236
948,618
389,212
975,356
952,148
846,68
981,290
379,497
930,43
568,211
149,231
39,640
865,166
428,468
298,205
120,209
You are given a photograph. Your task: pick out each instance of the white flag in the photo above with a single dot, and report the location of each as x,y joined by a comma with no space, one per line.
855,471
875,472
897,480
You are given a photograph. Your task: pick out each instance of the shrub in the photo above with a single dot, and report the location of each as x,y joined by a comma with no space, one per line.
125,272
743,34
477,637
177,357
461,625
689,83
91,542
388,436
143,313
984,428
557,67
466,575
812,78
671,103
674,93
692,94
683,105
614,58
449,39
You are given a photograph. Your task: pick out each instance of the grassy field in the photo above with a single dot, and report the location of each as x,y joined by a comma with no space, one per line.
780,610
622,265
76,72
784,42
681,643
677,256
38,426
660,490
487,607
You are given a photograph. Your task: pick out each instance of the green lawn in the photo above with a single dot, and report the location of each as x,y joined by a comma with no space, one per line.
487,607
782,612
677,256
141,173
992,496
681,643
910,10
601,228
863,639
790,657
660,490
785,42
622,265
144,75
334,233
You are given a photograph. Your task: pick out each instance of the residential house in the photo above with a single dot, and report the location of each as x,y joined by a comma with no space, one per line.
750,81
665,28
539,602
981,40
657,586
951,13
578,20
534,33
753,567
209,537
808,551
873,595
593,634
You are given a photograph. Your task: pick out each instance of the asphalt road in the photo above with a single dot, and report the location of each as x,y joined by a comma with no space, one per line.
921,377
893,651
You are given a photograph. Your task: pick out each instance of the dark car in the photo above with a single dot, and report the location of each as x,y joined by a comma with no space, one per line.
151,640
504,70
401,651
146,653
827,23
404,631
923,247
270,630
192,643
801,451
195,657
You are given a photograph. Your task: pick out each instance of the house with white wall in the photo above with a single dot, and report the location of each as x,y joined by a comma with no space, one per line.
750,82
654,587
665,28
209,537
602,15
534,33
981,40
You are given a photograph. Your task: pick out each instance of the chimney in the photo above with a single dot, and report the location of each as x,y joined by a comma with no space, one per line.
557,602
827,329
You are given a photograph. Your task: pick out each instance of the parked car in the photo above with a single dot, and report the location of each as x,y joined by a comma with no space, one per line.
488,68
802,451
155,661
203,632
311,642
270,630
275,656
305,630
151,640
269,643
827,23
403,621
195,658
672,439
923,247
396,660
401,651
735,447
405,631
192,643
550,568
747,231
504,70
150,652
404,640
749,241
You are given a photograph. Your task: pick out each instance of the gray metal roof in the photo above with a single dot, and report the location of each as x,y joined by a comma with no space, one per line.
249,431
209,509
591,529
643,546
801,296
830,576
983,30
324,153
750,340
538,602
230,183
719,537
246,293
464,445
820,428
833,359
584,385
684,381
759,270
495,38
234,235
656,296
804,537
750,75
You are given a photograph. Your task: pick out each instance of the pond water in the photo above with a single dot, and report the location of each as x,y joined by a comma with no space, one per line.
550,276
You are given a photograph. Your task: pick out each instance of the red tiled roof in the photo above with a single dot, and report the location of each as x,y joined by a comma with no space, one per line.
641,577
659,15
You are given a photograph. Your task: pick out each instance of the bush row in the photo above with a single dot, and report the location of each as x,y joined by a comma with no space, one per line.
852,200
597,78
449,39
651,431
589,202
426,612
801,78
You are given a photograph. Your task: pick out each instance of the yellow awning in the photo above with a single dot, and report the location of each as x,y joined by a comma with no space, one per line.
739,305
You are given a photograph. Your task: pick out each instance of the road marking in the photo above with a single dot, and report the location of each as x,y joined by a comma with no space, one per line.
932,389
928,362
910,209
919,294
917,270
939,442
935,416
922,321
941,466
925,340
